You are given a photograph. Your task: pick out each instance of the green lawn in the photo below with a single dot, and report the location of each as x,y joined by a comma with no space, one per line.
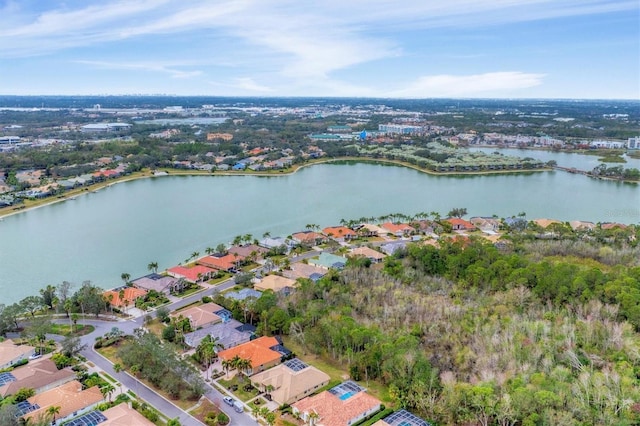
66,330
240,392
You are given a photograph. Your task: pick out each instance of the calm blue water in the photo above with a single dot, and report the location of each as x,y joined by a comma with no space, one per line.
123,228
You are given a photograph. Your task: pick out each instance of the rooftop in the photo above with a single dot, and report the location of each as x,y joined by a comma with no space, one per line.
69,397
257,351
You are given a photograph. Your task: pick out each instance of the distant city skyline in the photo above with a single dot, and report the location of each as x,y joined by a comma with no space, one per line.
583,49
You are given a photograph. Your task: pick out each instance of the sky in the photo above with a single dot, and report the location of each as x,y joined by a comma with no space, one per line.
583,49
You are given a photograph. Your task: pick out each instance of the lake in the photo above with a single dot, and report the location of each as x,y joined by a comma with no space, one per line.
122,228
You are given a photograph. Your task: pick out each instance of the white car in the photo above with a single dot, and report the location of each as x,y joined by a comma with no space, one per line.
228,400
35,356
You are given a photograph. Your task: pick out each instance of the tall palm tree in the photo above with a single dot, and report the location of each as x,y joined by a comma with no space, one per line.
247,238
227,364
53,411
237,240
153,266
209,250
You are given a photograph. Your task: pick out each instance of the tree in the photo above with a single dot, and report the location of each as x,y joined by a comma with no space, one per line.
125,277
221,249
32,304
48,295
457,212
162,313
63,291
107,390
71,346
227,364
153,266
209,250
237,240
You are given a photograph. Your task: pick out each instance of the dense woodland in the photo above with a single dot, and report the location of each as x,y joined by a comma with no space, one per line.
541,333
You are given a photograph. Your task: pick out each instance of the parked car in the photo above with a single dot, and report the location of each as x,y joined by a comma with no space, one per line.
228,400
35,356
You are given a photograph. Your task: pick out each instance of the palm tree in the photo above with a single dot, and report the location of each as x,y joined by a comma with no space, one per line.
153,266
107,390
125,277
237,240
227,364
209,250
53,411
243,365
247,238
266,235
195,254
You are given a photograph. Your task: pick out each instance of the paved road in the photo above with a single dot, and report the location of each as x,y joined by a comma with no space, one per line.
163,405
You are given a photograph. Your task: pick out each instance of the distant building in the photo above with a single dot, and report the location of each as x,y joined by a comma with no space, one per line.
633,143
219,136
105,127
400,129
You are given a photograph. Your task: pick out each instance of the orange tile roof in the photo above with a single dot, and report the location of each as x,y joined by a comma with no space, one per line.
335,412
191,273
338,232
394,228
130,294
308,237
257,351
223,263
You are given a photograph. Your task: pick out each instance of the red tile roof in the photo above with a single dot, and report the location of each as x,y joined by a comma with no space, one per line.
334,412
130,294
338,232
191,273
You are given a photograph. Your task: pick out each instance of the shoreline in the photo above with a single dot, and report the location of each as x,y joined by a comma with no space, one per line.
147,173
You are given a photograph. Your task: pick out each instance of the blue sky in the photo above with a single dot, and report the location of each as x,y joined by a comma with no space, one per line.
363,48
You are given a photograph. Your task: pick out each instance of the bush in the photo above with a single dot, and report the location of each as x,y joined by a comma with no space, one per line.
223,419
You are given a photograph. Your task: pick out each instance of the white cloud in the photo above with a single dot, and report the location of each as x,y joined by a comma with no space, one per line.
144,66
247,83
446,85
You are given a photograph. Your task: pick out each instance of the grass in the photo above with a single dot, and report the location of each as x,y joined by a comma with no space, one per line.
224,277
108,377
240,392
205,408
190,291
66,330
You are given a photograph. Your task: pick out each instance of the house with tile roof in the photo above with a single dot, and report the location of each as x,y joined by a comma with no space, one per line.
248,251
259,351
290,381
304,270
10,353
118,296
40,375
338,406
371,254
193,274
70,397
398,229
308,238
160,283
458,224
123,415
339,233
201,315
544,223
225,263
276,283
